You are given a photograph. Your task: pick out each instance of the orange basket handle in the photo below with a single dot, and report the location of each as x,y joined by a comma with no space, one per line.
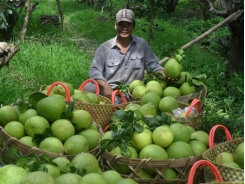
195,102
81,87
194,167
113,96
212,133
68,96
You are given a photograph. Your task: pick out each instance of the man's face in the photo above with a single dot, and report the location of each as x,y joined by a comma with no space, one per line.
124,29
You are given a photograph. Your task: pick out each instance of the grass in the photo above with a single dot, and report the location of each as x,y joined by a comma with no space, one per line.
49,55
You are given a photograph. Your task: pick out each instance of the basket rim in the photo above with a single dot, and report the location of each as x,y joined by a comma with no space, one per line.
120,159
219,145
35,150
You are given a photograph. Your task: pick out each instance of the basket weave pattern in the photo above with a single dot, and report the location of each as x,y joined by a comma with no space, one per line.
182,166
228,174
25,150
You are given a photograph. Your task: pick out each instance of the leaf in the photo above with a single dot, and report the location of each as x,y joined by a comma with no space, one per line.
39,137
71,107
36,97
27,92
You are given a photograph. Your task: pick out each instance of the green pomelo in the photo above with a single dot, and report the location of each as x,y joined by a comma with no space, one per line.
170,174
140,140
153,151
135,83
51,108
93,178
81,97
51,144
155,88
11,174
126,181
132,106
94,126
224,157
82,119
168,104
201,136
38,177
92,136
121,168
191,129
153,82
139,91
172,69
62,129
163,136
7,114
93,97
85,161
111,176
150,98
198,147
68,178
61,89
180,131
145,175
26,115
36,125
179,149
28,140
186,89
63,163
231,164
239,155
148,109
53,90
171,91
53,170
71,145
15,129
107,135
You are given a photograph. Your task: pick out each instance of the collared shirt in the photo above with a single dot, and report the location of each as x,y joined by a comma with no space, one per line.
111,65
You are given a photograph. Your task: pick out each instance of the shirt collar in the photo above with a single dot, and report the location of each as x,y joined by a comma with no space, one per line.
114,42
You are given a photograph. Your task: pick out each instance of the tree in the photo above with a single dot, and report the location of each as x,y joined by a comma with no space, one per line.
204,8
224,8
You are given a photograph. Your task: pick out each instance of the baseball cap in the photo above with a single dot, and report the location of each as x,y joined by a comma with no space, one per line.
125,15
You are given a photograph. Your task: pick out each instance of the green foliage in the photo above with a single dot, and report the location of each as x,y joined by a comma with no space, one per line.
49,55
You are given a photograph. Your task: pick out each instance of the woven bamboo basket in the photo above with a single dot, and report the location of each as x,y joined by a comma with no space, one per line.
201,95
25,150
214,170
101,113
182,166
228,174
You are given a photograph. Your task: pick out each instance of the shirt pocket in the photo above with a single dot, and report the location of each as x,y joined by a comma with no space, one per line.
112,66
137,61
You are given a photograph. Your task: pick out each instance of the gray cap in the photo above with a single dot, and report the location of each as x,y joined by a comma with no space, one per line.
125,15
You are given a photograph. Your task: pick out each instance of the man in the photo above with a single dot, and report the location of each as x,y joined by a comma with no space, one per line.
123,58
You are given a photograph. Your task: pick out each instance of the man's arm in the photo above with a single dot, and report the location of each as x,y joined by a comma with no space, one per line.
106,87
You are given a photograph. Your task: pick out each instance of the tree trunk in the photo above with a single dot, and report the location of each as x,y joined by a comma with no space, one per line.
236,59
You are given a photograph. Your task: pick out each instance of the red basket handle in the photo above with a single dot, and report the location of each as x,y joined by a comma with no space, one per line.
113,97
212,133
194,167
88,81
68,96
195,102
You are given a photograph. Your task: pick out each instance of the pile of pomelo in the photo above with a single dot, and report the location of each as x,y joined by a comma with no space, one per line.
174,141
51,124
82,169
233,160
